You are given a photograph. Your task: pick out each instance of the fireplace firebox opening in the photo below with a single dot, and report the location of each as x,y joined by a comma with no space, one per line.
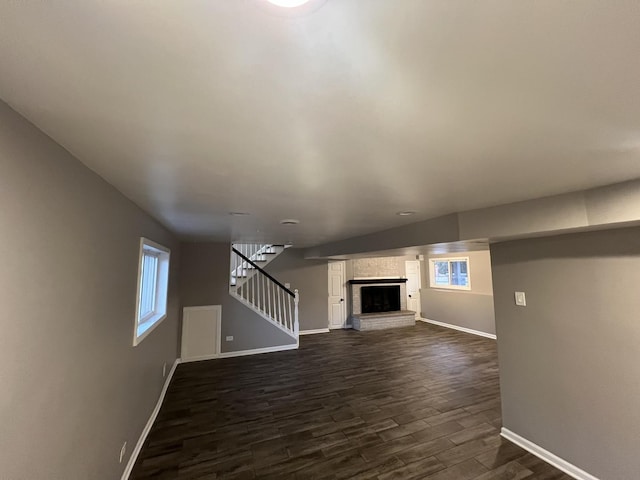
377,299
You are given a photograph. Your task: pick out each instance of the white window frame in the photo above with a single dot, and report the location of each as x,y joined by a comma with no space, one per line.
432,273
144,325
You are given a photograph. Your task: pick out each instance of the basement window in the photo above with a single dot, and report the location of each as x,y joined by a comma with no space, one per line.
153,283
452,273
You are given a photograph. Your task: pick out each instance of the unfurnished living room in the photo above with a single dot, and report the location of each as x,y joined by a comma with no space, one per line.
320,239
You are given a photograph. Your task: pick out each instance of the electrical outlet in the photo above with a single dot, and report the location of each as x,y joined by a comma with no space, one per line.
164,370
287,285
123,450
521,299
229,338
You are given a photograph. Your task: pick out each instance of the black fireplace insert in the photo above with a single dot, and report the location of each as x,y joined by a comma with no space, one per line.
380,299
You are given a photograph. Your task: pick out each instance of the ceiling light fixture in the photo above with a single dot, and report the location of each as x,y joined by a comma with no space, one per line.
288,3
406,213
289,221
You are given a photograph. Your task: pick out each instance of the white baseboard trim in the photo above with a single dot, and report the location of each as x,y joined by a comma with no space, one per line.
313,332
462,329
547,456
258,351
147,427
242,353
200,358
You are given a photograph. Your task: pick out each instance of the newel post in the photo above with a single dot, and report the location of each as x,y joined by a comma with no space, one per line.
296,325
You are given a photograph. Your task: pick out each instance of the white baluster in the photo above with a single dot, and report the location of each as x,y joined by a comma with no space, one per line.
264,294
253,291
232,260
269,297
296,325
235,269
279,298
274,296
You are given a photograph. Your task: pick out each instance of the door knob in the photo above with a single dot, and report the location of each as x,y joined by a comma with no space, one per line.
342,299
409,296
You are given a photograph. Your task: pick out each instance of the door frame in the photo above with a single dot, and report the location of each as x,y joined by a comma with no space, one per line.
344,295
418,262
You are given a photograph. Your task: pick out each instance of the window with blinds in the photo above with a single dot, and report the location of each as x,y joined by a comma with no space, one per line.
153,279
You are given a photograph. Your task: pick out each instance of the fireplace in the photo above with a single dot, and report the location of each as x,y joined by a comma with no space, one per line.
377,299
379,303
359,285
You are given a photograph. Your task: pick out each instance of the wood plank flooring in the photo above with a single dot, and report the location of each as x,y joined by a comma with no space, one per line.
420,402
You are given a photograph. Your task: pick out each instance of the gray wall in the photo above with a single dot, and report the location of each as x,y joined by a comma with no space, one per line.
204,280
465,308
311,278
73,386
569,364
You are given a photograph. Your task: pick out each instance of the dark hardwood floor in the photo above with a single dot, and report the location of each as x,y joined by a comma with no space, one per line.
417,402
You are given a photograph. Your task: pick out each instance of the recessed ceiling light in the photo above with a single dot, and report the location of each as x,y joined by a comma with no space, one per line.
406,213
288,3
239,214
289,221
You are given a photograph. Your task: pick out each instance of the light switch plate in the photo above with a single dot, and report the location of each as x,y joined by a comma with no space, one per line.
521,299
287,285
229,338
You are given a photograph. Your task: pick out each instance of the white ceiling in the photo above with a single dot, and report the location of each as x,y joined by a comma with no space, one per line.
339,115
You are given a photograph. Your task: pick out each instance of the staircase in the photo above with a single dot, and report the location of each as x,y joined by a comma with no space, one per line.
251,285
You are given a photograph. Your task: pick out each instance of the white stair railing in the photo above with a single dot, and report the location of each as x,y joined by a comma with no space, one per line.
265,295
255,252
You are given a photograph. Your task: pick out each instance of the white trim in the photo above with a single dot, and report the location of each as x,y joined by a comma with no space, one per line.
394,277
312,332
242,353
142,329
462,329
432,280
258,351
147,427
419,291
547,456
343,295
213,356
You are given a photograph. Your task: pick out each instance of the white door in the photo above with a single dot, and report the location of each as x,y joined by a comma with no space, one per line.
412,270
200,332
337,295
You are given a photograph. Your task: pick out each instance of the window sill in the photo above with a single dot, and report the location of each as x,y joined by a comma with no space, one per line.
147,327
451,288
